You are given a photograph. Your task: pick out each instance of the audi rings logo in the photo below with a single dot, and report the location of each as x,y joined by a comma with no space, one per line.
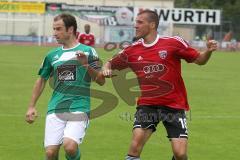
153,68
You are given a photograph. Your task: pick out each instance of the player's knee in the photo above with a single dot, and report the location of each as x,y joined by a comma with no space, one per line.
180,156
51,154
70,150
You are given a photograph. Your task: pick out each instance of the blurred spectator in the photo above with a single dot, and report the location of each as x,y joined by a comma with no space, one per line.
86,38
228,36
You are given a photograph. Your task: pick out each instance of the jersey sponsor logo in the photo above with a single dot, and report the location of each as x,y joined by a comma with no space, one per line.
150,79
153,68
66,73
162,54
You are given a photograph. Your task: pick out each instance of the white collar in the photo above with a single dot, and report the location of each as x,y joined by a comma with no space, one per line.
151,44
71,48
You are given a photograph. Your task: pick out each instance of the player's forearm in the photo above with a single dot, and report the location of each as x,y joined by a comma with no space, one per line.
37,91
96,76
203,57
107,66
107,70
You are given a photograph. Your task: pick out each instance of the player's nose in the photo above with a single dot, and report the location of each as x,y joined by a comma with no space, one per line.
135,26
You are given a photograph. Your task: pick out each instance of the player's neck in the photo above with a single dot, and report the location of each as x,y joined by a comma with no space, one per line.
150,38
72,42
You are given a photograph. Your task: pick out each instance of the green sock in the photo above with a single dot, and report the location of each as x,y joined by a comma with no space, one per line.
76,157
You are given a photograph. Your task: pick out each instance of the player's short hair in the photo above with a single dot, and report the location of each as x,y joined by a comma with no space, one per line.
68,20
152,16
87,25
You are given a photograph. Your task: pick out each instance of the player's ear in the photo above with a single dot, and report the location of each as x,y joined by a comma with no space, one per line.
70,29
152,25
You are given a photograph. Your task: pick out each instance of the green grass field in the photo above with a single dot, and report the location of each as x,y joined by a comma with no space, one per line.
213,91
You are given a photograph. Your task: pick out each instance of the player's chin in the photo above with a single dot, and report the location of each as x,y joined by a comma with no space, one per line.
59,41
138,36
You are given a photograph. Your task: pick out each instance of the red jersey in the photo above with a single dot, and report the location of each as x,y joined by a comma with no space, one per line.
158,69
87,39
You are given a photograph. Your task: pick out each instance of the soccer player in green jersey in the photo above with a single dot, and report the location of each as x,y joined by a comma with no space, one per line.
71,69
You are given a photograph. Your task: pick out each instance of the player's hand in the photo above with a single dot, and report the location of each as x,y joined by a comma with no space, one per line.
212,45
82,58
31,115
107,72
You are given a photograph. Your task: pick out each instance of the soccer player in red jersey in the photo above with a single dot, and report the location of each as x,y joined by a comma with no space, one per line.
157,63
86,38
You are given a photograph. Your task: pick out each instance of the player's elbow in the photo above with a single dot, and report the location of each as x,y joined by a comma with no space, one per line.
200,61
203,63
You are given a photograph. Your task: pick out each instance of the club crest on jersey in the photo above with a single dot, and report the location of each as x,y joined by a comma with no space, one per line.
162,54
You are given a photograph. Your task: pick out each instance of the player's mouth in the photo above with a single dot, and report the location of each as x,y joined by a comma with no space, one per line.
57,38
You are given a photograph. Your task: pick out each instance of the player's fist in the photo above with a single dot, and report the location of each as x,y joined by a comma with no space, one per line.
212,45
107,71
31,114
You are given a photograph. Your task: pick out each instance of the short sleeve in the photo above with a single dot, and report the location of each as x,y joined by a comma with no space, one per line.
93,59
184,51
120,61
46,68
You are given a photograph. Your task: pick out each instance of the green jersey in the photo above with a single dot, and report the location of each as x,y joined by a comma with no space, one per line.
69,80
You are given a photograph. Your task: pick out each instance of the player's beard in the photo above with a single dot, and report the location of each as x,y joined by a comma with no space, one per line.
139,36
59,41
142,33
63,40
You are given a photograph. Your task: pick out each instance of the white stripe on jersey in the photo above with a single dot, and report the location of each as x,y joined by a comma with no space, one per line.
178,39
95,55
181,40
66,56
